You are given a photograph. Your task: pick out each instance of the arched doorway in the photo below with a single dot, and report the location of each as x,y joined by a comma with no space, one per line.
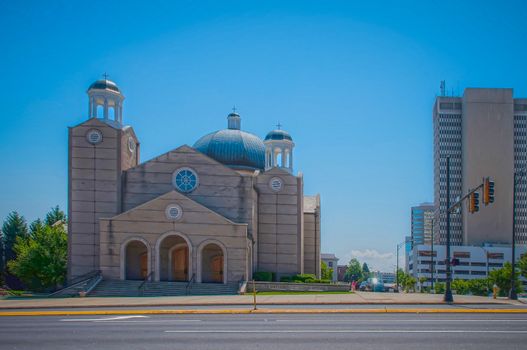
212,264
136,260
174,258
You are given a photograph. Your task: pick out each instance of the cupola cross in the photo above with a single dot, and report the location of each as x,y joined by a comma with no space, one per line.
105,76
279,126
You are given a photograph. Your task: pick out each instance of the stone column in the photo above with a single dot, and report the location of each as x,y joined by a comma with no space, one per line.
105,108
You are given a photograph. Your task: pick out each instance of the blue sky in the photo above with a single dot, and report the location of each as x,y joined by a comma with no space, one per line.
352,81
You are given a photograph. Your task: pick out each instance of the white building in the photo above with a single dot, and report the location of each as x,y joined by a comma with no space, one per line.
332,262
474,261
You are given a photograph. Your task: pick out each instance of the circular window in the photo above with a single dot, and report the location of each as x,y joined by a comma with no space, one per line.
185,180
276,184
173,212
94,136
131,144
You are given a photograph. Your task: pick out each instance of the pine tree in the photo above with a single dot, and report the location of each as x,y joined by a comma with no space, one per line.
366,270
14,226
54,215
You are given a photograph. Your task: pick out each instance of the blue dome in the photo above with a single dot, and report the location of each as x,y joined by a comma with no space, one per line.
234,148
104,84
278,135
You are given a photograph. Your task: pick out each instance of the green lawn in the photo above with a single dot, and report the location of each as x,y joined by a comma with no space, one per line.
297,292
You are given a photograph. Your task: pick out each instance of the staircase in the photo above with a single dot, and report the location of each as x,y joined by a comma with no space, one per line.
116,288
84,284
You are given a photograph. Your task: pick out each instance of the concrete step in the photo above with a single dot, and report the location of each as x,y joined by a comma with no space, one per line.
131,288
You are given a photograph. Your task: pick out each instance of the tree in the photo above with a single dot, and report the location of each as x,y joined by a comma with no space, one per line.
354,271
422,280
522,264
325,272
365,270
502,278
35,226
14,226
409,283
54,215
41,258
2,269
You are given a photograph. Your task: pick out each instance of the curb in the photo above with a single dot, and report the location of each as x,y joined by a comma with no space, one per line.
262,311
248,304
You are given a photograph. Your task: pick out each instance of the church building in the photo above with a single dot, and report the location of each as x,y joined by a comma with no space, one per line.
215,212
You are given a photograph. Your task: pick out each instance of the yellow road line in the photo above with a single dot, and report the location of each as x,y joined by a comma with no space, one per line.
258,311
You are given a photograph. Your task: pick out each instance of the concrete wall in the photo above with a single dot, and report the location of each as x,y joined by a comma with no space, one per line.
488,150
280,235
94,188
297,287
198,226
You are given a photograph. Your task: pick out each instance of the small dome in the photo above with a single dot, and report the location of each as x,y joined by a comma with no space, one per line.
234,148
104,84
278,134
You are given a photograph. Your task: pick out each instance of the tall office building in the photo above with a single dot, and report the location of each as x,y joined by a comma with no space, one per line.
421,223
484,133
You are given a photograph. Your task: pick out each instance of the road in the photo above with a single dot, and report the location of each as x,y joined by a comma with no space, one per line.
276,331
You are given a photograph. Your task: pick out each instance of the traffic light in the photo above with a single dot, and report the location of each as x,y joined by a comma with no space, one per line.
473,202
488,191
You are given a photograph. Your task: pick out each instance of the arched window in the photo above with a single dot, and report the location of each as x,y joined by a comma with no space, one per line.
278,157
111,113
100,111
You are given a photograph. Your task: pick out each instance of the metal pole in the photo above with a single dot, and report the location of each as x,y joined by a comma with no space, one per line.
488,288
254,296
448,292
397,271
432,262
512,293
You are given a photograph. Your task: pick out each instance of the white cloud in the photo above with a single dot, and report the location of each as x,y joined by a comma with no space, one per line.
376,260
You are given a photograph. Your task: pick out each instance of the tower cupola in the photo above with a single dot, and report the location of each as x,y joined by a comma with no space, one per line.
234,121
105,101
279,149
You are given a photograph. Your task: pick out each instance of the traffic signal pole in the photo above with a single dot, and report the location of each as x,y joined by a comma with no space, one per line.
473,197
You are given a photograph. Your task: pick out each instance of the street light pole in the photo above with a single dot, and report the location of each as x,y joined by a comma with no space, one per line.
512,293
448,292
432,261
397,271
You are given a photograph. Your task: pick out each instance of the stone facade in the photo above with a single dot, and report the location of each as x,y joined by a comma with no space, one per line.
134,220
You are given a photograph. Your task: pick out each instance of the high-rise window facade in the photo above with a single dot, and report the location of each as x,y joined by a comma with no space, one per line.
484,133
447,143
421,223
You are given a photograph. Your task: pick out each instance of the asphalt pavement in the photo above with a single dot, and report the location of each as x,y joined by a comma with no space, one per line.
275,331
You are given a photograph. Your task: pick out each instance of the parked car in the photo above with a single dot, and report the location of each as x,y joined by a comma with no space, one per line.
372,285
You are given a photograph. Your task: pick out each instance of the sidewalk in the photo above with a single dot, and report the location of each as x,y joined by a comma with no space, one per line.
358,298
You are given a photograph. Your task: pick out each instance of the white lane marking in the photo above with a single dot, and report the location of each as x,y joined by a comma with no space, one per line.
346,331
116,318
405,320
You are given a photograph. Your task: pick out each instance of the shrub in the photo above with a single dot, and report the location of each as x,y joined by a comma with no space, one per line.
303,277
479,286
460,286
286,279
263,276
439,287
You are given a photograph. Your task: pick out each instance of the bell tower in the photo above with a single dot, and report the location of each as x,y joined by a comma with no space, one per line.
100,150
279,149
